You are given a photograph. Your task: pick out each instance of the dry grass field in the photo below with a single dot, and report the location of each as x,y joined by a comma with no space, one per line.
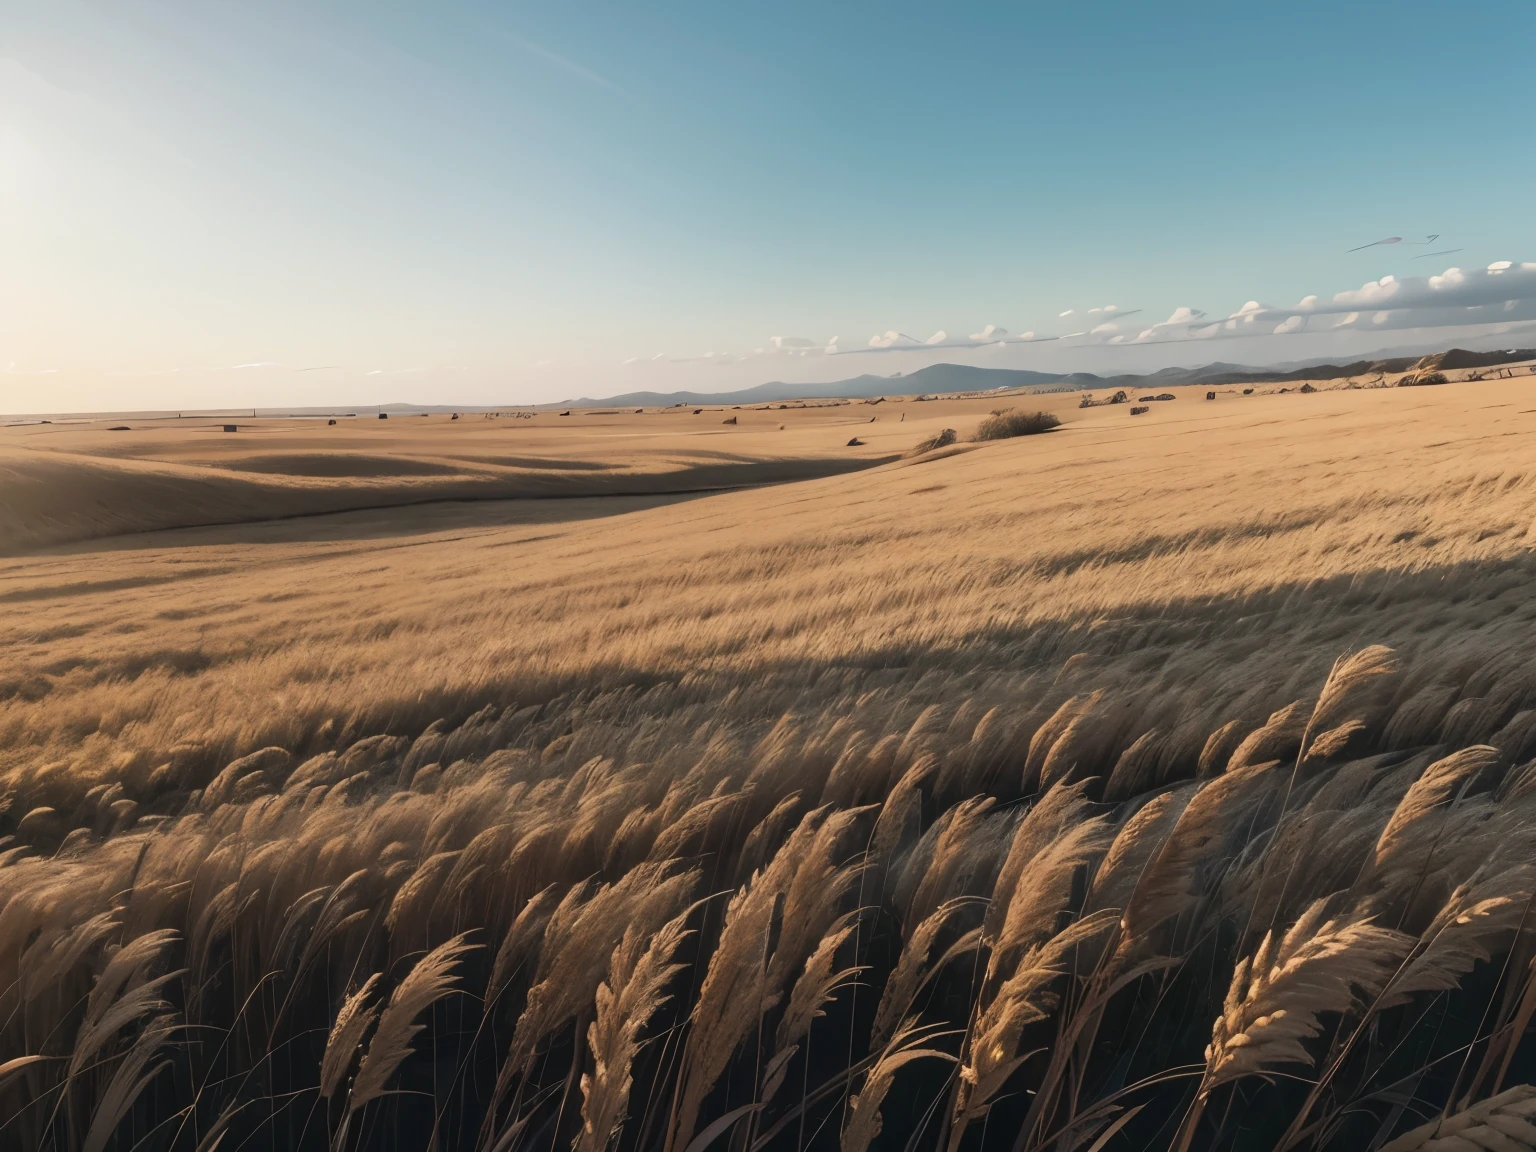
637,781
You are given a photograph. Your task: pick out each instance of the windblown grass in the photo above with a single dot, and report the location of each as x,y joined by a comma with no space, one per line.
1090,823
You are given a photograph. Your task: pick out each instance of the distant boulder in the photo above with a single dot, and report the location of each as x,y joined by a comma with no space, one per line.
729,420
855,443
1138,409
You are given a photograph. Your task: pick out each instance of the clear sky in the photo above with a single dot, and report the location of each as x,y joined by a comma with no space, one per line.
501,202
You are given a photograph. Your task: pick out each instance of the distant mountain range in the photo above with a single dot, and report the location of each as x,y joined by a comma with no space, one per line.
934,378
943,378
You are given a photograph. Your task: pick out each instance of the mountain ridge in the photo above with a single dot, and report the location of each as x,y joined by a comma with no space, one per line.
940,378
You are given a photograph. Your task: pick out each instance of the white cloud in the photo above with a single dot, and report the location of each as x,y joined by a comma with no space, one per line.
1183,317
1503,293
1501,281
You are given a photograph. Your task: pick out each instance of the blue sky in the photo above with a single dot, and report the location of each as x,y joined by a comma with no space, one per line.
480,202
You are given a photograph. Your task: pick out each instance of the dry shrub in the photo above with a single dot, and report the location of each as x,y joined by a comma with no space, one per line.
943,440
1005,424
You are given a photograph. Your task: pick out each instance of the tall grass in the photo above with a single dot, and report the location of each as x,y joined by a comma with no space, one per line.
631,920
903,813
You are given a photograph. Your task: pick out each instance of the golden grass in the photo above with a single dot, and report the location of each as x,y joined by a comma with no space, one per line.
987,773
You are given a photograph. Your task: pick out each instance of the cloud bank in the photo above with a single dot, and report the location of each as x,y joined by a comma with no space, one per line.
1503,293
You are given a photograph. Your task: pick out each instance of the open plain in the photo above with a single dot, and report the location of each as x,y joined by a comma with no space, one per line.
685,781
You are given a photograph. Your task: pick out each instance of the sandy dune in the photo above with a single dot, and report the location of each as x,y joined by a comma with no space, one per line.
68,482
202,643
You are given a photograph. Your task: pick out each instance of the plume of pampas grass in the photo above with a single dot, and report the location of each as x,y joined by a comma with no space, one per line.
346,1037
338,913
912,971
411,908
1023,998
1350,678
130,1078
818,888
1327,745
43,970
633,993
1046,736
1277,996
1138,840
1044,890
1477,913
1062,806
817,984
579,941
958,849
431,979
684,836
1502,1123
1170,883
1274,739
736,990
1438,784
521,941
1135,771
900,819
905,1045
765,836
122,996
